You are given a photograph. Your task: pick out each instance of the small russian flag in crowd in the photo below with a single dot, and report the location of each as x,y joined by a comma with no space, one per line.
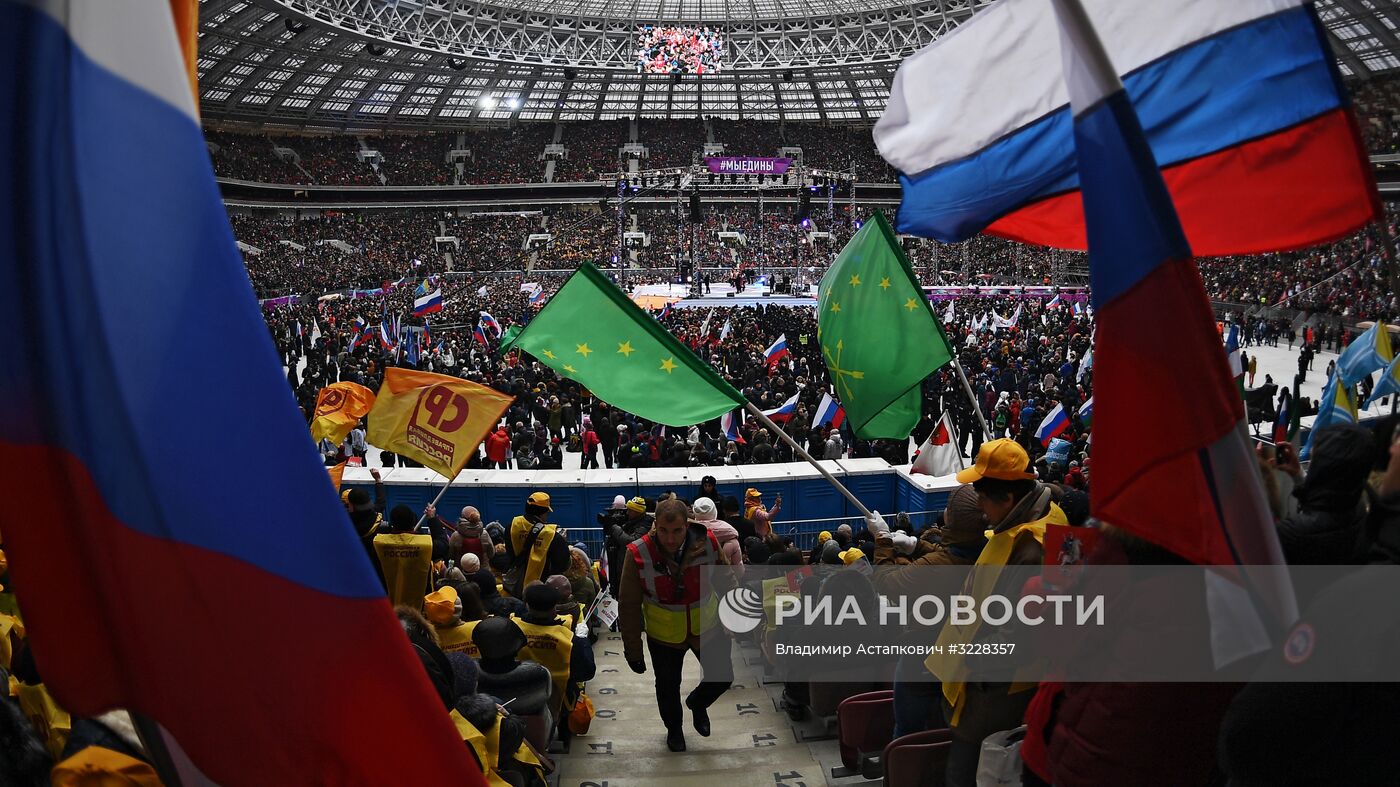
386,335
426,301
729,423
487,321
1054,425
665,312
776,351
1054,302
829,413
1078,309
784,411
359,325
537,296
479,333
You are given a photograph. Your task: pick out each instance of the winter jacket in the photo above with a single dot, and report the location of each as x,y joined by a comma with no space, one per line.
729,544
497,445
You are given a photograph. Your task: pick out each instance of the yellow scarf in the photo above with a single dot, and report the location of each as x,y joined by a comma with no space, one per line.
951,668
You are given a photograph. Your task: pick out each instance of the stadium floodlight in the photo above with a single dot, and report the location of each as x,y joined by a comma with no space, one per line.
513,102
487,102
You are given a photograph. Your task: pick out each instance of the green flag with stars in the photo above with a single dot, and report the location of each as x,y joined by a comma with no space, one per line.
591,332
878,334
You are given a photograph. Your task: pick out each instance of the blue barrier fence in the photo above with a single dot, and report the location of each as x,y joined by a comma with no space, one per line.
809,503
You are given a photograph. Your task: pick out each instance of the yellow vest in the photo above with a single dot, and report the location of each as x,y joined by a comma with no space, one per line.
51,722
951,668
457,638
535,568
484,746
406,560
551,646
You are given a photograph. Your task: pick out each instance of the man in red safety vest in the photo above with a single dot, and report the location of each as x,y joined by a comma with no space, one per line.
665,586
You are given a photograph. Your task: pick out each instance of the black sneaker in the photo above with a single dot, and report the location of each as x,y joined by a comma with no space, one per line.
700,717
675,740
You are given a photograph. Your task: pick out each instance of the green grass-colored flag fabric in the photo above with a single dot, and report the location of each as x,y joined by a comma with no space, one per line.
591,332
878,334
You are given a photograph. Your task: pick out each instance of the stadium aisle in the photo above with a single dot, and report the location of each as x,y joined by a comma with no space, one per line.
753,743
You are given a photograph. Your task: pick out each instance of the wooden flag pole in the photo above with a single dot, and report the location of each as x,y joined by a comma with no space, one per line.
766,421
440,493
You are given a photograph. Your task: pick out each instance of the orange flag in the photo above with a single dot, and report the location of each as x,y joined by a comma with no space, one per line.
339,407
337,473
432,418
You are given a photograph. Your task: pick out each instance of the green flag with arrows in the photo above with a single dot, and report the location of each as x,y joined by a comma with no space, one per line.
878,334
591,332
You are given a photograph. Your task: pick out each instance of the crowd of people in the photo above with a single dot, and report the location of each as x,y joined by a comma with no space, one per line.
679,50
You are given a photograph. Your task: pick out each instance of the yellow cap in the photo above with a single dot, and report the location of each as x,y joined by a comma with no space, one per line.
440,605
540,499
637,504
851,555
751,492
96,766
823,537
1004,460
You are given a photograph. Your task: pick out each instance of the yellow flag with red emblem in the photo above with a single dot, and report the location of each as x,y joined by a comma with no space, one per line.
434,419
339,407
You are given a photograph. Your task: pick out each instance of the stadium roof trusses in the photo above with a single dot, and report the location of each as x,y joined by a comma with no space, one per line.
445,63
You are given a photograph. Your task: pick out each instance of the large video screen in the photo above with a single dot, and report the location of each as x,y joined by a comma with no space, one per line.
679,50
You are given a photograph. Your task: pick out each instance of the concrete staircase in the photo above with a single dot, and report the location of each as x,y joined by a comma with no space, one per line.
753,740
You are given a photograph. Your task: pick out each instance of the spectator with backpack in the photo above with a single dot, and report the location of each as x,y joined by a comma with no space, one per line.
535,548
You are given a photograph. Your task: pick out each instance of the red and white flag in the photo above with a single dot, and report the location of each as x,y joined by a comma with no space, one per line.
939,455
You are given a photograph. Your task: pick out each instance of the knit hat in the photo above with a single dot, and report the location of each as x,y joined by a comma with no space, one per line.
619,503
539,597
470,563
704,509
963,521
401,518
823,537
440,605
638,504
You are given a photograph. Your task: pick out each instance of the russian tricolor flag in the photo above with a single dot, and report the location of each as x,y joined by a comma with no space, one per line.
1240,101
427,301
1054,302
729,423
784,411
1191,483
109,205
487,321
829,413
1053,425
775,351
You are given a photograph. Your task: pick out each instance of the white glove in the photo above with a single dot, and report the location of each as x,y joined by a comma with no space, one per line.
876,524
904,543
581,630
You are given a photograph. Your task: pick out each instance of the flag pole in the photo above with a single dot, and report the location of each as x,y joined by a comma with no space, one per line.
763,419
433,504
972,397
148,731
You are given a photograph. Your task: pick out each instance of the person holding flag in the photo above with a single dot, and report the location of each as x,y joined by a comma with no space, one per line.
427,301
1366,353
339,408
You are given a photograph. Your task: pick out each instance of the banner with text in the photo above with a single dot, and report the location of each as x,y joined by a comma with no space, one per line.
747,165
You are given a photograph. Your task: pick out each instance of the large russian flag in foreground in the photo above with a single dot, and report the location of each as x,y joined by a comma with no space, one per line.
244,618
1192,485
1239,99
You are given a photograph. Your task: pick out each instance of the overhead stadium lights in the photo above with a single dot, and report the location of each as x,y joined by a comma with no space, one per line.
487,102
513,102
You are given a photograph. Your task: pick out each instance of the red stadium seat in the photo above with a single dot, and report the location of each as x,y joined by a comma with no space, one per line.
918,759
864,725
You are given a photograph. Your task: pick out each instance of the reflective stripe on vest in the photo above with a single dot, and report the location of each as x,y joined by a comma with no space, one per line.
684,612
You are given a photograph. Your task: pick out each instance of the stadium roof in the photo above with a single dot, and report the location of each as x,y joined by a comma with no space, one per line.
443,63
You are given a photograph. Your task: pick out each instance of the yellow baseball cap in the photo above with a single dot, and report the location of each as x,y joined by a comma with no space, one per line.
1002,459
439,605
851,555
540,499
